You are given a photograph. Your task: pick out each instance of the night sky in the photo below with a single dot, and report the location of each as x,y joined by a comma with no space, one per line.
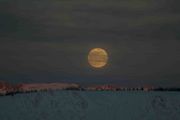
49,40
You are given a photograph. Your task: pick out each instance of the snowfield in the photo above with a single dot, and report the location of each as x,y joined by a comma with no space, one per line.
91,105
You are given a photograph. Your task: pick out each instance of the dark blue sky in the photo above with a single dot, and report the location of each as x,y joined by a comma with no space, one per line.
48,41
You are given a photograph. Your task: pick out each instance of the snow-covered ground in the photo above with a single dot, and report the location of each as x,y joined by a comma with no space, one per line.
84,105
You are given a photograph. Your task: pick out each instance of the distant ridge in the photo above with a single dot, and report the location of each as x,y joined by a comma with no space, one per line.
10,89
7,88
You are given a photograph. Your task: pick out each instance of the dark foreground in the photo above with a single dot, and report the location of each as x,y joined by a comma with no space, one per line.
91,105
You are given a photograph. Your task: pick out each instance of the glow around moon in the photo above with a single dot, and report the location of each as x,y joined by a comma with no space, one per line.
98,58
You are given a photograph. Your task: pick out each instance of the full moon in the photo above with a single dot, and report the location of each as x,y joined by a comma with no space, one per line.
98,57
